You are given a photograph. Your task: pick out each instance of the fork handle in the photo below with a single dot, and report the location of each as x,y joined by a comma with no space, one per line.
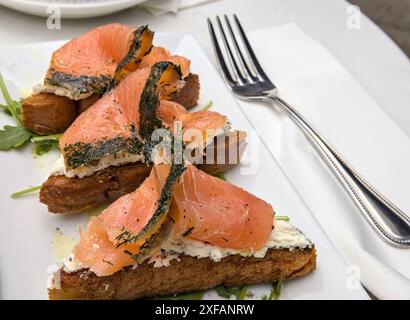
390,222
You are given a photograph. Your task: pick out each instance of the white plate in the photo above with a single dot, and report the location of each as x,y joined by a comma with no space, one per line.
70,8
27,229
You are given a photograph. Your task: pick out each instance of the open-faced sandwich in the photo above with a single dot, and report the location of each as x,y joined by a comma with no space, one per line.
104,152
83,69
182,230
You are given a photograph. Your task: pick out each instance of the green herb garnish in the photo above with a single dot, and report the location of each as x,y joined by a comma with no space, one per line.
276,290
283,218
188,232
42,147
25,191
220,175
51,137
12,107
108,262
241,293
15,136
238,291
206,106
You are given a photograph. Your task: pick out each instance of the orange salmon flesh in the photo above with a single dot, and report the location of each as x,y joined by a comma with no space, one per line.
215,211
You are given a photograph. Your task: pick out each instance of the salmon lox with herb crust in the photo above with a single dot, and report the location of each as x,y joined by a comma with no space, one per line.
162,227
86,65
114,129
204,208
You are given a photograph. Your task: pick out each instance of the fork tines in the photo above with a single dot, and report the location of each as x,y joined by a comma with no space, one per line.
238,68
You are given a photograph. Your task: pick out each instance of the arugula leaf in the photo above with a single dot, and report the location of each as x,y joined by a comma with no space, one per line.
238,291
241,293
44,146
13,137
5,109
223,292
12,107
276,290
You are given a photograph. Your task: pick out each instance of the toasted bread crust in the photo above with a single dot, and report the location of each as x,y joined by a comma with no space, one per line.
47,113
188,96
68,195
187,274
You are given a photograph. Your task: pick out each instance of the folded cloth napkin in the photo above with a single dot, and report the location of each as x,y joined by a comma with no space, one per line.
313,81
159,7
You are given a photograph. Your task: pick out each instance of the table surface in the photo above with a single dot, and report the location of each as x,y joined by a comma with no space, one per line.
373,59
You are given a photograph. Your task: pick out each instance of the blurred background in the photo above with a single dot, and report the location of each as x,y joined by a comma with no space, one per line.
393,16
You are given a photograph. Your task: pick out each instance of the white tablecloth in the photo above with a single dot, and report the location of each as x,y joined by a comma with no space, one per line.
370,56
308,77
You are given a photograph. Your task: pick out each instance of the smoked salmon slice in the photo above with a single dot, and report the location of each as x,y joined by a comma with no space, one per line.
204,208
133,211
206,124
96,252
95,61
217,212
122,229
161,54
86,65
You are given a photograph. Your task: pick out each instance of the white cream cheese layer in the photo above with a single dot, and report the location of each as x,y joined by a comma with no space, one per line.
60,91
283,236
116,159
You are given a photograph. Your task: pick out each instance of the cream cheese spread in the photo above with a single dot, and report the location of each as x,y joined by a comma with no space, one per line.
116,159
60,91
283,236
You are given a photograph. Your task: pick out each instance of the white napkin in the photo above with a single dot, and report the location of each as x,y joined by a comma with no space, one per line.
313,81
159,7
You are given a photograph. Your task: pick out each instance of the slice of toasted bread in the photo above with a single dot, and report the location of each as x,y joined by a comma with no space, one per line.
47,113
184,275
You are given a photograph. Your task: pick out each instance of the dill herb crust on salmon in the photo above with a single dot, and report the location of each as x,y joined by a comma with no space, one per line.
122,121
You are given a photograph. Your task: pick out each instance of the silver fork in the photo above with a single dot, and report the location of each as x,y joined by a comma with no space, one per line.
247,80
